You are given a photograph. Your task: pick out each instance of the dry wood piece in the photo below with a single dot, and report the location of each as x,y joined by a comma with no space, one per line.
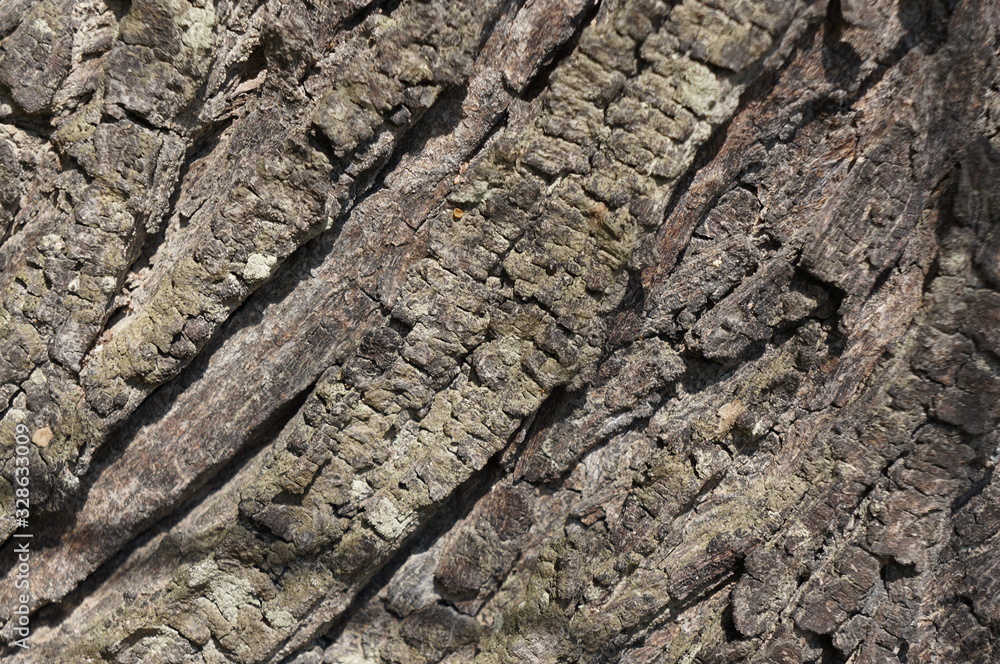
540,331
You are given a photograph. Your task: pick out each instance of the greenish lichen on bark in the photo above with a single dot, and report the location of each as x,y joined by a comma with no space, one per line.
507,332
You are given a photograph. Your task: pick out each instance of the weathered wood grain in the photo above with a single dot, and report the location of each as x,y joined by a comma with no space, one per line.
554,331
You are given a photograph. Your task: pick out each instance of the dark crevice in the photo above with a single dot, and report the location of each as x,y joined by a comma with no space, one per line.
824,642
508,8
926,22
893,571
975,490
625,323
841,61
389,7
757,91
255,63
760,87
540,82
36,124
440,118
301,263
212,480
318,141
707,487
385,7
120,8
559,403
134,117
202,144
439,522
617,647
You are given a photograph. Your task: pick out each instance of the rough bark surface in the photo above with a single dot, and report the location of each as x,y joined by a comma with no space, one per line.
546,331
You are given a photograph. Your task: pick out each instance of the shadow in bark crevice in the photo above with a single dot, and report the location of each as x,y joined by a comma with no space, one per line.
445,517
540,82
297,269
51,615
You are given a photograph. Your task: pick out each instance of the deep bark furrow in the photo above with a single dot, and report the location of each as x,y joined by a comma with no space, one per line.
557,331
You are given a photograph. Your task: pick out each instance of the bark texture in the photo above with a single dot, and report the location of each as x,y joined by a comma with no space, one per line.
548,331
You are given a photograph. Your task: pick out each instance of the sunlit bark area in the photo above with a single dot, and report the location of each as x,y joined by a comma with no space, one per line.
499,332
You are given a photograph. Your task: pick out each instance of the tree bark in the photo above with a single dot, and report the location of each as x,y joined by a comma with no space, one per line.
549,331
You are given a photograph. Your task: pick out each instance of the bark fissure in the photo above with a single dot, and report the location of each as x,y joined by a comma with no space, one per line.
555,331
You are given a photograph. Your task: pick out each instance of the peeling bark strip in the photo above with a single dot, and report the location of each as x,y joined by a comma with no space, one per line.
550,331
